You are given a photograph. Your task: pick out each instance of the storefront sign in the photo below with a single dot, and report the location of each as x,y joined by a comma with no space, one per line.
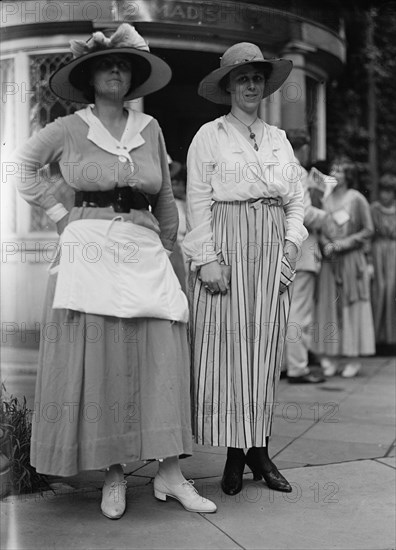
226,15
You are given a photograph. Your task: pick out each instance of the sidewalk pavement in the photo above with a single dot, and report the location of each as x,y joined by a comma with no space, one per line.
335,443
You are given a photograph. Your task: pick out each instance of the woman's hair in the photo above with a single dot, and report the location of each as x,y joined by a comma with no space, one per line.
322,165
265,68
387,182
81,75
298,137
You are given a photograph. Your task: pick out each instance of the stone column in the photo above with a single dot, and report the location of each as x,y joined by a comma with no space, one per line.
294,95
321,121
272,107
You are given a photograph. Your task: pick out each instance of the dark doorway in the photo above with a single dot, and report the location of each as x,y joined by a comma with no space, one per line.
178,108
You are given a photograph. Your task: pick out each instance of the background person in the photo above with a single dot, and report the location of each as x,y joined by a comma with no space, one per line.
178,259
383,212
244,230
343,309
298,342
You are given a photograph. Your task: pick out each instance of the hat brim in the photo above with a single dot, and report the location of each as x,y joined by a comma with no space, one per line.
64,85
210,88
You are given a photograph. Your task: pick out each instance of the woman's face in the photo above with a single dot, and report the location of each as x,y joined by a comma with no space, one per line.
386,196
111,76
246,86
337,171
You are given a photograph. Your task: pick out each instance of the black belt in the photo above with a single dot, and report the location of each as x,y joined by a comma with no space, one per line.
122,199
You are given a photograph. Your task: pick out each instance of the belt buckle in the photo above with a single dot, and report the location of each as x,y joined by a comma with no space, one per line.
118,201
117,206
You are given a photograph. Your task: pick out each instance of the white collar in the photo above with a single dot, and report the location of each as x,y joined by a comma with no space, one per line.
131,138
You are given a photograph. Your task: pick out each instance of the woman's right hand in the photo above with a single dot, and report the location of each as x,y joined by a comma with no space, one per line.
62,223
215,277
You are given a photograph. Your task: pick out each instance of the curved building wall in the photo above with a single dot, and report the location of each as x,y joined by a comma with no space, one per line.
191,36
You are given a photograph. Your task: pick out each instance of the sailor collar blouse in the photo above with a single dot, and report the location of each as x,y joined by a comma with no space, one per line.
223,166
89,158
130,139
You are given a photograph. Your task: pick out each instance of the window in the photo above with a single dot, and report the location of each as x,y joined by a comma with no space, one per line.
45,107
8,141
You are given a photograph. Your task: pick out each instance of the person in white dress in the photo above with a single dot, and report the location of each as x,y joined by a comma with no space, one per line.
244,230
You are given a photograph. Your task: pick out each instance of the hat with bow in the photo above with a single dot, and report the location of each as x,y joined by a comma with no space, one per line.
212,87
149,72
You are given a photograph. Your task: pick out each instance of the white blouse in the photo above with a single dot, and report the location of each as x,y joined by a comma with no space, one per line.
223,166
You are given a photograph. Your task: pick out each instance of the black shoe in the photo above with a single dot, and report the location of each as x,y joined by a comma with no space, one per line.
313,359
231,482
309,378
273,478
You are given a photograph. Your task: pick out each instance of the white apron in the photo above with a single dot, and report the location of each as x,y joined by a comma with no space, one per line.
117,268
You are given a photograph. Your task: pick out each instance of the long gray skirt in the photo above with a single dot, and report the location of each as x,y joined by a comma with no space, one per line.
238,338
109,391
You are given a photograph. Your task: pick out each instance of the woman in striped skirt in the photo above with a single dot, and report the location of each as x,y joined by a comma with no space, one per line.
245,226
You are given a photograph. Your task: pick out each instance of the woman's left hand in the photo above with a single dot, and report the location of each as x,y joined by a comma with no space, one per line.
290,250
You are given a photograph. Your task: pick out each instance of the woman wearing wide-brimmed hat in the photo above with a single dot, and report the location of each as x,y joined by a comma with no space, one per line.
113,385
244,229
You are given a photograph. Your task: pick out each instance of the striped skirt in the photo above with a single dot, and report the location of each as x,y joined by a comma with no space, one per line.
238,338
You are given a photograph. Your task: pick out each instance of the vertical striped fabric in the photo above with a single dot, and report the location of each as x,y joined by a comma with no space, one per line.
238,338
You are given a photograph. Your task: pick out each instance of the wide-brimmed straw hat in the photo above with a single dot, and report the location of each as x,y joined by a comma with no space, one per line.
149,72
238,55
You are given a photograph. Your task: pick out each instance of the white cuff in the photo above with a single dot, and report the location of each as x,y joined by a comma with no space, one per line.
195,264
57,212
295,236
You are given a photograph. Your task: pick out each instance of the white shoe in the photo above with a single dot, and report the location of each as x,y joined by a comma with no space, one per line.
185,493
329,366
351,369
113,499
